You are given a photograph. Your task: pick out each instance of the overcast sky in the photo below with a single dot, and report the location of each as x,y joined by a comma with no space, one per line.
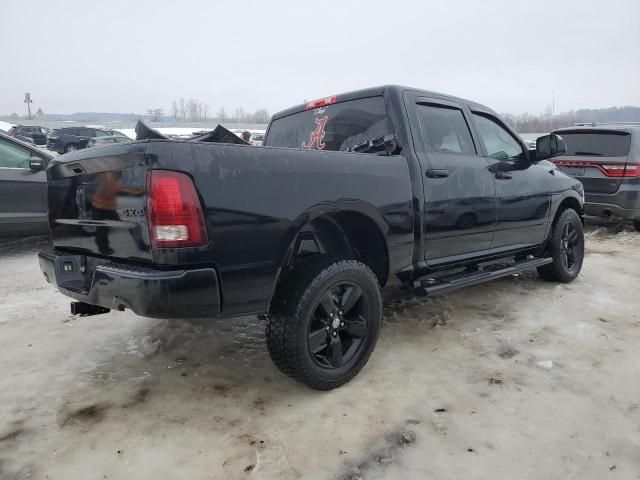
127,56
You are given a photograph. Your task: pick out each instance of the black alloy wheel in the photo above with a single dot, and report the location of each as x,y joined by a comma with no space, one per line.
324,321
570,246
339,325
565,246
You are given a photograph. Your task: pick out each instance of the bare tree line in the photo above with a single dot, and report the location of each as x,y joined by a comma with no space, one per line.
547,121
194,110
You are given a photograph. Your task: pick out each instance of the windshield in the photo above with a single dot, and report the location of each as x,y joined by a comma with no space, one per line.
335,127
597,144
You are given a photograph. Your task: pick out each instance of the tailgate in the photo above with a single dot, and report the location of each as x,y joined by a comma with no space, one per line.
598,158
97,202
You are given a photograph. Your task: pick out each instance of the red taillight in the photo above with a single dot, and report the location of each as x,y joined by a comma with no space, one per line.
619,169
322,102
174,211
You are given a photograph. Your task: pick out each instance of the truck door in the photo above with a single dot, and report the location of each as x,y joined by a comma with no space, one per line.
522,187
23,192
459,190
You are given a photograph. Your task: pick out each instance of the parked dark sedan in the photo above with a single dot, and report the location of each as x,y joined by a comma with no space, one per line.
30,134
23,188
70,139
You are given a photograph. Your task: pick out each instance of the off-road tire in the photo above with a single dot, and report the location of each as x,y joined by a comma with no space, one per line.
294,307
558,271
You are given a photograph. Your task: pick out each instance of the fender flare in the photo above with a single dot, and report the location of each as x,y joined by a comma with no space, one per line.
288,242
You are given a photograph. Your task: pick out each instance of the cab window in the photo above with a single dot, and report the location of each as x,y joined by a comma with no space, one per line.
444,129
338,126
497,140
13,156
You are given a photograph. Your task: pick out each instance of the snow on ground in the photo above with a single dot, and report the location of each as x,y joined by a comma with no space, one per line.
518,378
5,126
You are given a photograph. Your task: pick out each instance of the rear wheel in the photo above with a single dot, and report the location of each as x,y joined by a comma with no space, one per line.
324,321
72,147
566,246
636,225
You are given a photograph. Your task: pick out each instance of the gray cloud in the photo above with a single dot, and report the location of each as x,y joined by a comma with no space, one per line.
123,56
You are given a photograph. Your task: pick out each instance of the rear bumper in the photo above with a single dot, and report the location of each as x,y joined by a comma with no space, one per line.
147,292
623,204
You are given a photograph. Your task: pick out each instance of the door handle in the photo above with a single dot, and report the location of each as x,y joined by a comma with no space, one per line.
503,175
437,173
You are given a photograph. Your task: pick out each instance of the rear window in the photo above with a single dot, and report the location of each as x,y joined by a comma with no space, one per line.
597,144
444,129
338,126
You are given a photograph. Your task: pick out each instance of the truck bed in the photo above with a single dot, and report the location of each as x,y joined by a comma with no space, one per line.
254,199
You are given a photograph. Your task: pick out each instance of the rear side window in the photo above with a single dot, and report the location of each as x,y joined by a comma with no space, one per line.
338,126
597,144
444,129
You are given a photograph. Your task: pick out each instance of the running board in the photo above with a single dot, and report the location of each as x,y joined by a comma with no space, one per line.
446,283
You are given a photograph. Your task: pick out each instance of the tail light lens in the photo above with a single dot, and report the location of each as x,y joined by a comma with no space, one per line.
628,170
622,169
174,211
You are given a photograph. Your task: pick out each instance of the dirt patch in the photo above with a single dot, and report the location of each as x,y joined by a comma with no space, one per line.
507,351
11,435
83,416
383,453
139,397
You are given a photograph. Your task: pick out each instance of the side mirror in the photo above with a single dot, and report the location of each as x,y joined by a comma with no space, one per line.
549,146
36,164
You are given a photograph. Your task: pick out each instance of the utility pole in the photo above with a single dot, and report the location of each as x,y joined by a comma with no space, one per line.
28,101
553,102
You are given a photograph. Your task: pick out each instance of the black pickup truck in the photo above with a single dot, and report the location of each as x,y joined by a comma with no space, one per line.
350,193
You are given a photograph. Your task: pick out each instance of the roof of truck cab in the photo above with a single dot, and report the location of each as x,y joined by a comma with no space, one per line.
377,91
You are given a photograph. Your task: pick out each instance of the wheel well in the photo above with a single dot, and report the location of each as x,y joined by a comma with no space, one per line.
569,202
349,234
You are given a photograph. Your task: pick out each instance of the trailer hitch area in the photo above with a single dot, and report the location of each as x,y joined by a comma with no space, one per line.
87,310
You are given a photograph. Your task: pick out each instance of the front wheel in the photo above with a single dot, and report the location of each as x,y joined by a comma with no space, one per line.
72,147
636,225
324,321
566,246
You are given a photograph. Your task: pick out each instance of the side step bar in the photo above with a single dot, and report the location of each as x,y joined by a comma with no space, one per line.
446,283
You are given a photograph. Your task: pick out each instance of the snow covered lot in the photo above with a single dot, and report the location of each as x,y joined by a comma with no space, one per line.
517,379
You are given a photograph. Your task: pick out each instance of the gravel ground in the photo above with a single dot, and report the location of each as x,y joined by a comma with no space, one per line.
518,378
